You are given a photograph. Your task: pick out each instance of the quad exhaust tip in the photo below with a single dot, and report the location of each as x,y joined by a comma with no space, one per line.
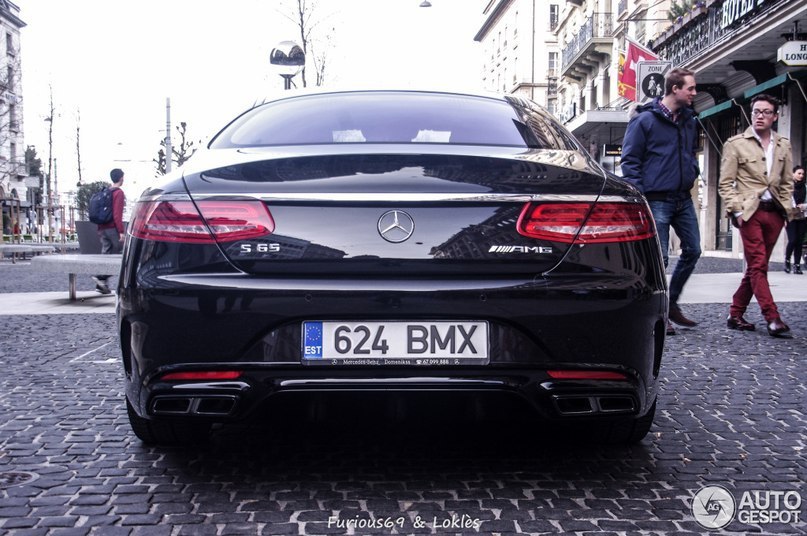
594,405
214,405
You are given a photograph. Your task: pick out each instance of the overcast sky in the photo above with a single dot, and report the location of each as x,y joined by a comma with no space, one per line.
113,63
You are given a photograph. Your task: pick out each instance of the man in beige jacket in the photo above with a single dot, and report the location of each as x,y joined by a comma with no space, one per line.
756,185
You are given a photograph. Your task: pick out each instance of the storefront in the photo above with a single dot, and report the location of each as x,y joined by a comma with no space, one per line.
731,46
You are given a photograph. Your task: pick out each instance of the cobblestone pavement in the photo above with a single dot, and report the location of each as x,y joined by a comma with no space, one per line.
731,413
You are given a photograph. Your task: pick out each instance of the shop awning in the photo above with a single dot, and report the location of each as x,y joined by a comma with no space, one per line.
774,82
716,109
600,121
765,86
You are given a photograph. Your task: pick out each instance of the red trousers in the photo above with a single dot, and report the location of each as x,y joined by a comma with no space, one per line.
759,235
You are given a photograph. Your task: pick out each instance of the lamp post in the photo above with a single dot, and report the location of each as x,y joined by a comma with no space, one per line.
49,192
288,59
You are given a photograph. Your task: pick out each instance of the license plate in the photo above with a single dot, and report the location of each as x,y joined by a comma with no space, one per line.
395,343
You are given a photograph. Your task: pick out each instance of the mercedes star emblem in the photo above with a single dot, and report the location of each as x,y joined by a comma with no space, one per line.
396,226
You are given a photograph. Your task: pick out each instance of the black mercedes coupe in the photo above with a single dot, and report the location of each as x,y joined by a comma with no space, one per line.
388,242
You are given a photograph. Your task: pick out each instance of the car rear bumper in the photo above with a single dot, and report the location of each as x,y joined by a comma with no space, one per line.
236,400
253,325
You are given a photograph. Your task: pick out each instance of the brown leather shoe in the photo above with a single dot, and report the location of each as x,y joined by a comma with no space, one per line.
670,329
739,323
777,328
678,317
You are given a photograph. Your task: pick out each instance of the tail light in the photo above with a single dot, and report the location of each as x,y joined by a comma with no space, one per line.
596,222
586,375
214,221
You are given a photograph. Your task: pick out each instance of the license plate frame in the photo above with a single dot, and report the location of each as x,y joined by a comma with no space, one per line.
395,342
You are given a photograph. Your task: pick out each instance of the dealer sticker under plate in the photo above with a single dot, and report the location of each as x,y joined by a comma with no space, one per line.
433,343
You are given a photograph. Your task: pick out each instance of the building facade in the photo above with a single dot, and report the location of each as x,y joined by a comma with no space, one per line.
564,55
592,34
13,170
520,54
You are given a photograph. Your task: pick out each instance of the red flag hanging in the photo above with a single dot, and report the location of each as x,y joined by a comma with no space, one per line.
626,78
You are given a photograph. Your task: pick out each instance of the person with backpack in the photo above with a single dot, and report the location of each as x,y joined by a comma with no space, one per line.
108,205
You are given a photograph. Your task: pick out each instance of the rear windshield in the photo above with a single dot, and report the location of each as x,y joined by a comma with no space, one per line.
387,117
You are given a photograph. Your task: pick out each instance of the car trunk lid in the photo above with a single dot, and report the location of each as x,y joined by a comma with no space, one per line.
418,213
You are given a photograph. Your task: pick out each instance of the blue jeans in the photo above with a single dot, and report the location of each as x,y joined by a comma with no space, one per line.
680,215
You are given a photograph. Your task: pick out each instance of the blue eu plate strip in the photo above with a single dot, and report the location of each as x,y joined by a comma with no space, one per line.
312,340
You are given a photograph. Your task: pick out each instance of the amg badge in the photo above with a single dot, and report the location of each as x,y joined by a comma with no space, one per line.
520,249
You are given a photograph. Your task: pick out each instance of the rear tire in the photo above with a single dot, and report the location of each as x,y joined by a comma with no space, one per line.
166,432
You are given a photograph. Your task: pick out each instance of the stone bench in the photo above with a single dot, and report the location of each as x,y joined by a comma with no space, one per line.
23,249
73,264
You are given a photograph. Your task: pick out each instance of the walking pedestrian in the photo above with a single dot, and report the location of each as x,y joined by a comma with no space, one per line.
796,222
111,233
756,185
658,157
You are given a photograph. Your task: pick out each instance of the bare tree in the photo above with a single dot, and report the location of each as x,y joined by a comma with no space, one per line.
181,152
78,145
314,37
12,165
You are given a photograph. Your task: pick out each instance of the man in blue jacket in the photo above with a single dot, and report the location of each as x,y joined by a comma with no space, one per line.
658,157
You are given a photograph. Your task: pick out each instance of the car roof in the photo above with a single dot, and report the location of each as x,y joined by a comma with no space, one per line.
369,89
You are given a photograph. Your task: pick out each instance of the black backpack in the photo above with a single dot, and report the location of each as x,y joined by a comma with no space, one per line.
101,206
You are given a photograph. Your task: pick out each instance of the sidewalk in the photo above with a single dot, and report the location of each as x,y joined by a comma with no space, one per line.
701,288
719,288
55,303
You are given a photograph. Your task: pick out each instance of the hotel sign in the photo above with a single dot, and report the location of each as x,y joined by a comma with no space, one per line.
734,10
793,53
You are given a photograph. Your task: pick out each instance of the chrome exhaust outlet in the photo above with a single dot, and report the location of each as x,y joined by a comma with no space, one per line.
593,405
574,405
214,405
171,405
616,404
211,406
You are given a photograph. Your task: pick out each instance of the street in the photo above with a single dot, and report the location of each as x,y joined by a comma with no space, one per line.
731,413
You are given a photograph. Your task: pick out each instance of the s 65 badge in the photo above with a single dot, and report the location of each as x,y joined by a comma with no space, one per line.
262,247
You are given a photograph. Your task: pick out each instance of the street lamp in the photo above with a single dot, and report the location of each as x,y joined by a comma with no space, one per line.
288,59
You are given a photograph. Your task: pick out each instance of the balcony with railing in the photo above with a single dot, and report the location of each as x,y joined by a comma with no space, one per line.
712,24
691,35
589,46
